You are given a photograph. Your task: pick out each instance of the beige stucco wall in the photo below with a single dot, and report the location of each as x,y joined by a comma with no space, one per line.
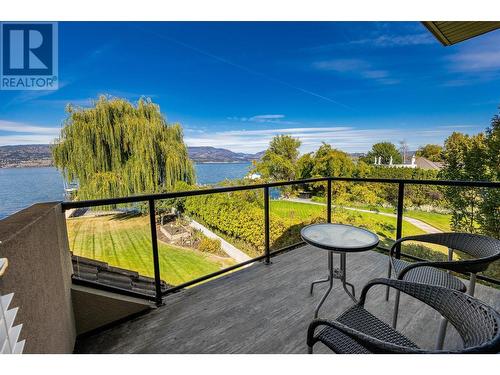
35,242
96,308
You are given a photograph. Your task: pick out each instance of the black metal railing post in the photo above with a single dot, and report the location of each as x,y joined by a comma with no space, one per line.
399,222
266,225
156,260
329,201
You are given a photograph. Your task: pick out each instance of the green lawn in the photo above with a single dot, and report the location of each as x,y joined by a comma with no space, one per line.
295,210
437,220
384,226
126,243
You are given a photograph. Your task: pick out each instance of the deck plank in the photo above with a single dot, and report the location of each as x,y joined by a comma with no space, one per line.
266,309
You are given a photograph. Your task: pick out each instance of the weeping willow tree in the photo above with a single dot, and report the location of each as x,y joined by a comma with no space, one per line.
116,148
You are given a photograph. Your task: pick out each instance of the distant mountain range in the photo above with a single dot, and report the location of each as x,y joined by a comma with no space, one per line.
220,155
23,156
20,156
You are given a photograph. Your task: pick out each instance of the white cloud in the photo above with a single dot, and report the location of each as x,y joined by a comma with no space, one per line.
26,133
25,139
270,119
30,96
476,61
375,74
381,41
266,117
388,40
356,68
19,127
341,65
346,138
62,103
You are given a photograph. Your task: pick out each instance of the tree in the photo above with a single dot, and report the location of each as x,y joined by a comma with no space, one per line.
464,159
115,148
431,152
329,162
363,169
385,150
305,166
279,162
490,207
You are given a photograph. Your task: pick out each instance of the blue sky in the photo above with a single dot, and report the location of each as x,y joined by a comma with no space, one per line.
235,85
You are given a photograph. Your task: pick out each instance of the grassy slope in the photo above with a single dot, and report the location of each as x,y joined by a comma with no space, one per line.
384,226
437,220
126,243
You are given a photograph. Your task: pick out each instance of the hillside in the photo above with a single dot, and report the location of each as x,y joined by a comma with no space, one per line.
221,155
22,156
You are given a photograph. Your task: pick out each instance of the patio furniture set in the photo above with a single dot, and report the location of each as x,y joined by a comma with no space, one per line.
358,331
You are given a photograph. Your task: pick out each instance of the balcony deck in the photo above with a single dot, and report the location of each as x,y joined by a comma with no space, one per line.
266,309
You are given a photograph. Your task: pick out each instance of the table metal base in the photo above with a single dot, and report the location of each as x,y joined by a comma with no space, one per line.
334,273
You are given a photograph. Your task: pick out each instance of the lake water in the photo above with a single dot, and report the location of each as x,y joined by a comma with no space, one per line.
22,187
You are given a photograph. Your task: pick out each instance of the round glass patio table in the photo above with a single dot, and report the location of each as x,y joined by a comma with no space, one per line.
340,239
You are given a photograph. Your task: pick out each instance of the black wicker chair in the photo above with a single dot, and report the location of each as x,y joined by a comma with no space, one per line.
482,250
356,331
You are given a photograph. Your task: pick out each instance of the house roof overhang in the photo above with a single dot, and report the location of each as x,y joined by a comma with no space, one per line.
452,32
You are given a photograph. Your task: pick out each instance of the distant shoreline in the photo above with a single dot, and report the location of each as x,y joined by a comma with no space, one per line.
36,156
27,165
53,166
222,162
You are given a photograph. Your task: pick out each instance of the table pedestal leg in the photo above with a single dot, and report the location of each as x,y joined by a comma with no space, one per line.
330,279
318,282
343,278
334,274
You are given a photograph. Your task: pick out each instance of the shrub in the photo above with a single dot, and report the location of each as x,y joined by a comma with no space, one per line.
211,246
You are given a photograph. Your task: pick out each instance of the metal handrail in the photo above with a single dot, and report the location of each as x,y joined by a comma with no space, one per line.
150,198
227,189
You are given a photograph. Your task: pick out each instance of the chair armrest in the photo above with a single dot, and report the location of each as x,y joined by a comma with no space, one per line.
371,343
431,295
464,312
418,238
460,266
395,244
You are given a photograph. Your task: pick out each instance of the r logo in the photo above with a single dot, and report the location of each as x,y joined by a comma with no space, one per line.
28,56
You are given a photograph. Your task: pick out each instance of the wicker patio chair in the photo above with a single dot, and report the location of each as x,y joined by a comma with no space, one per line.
357,331
482,251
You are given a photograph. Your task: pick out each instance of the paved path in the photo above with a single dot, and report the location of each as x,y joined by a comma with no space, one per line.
418,223
238,255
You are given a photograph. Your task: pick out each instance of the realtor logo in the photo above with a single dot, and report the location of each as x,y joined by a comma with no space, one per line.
28,56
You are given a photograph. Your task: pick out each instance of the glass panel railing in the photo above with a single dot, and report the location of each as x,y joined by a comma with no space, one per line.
112,246
366,205
425,211
475,210
292,208
197,236
204,234
434,209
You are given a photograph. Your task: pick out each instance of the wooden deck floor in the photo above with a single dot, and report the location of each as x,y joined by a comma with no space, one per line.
266,309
